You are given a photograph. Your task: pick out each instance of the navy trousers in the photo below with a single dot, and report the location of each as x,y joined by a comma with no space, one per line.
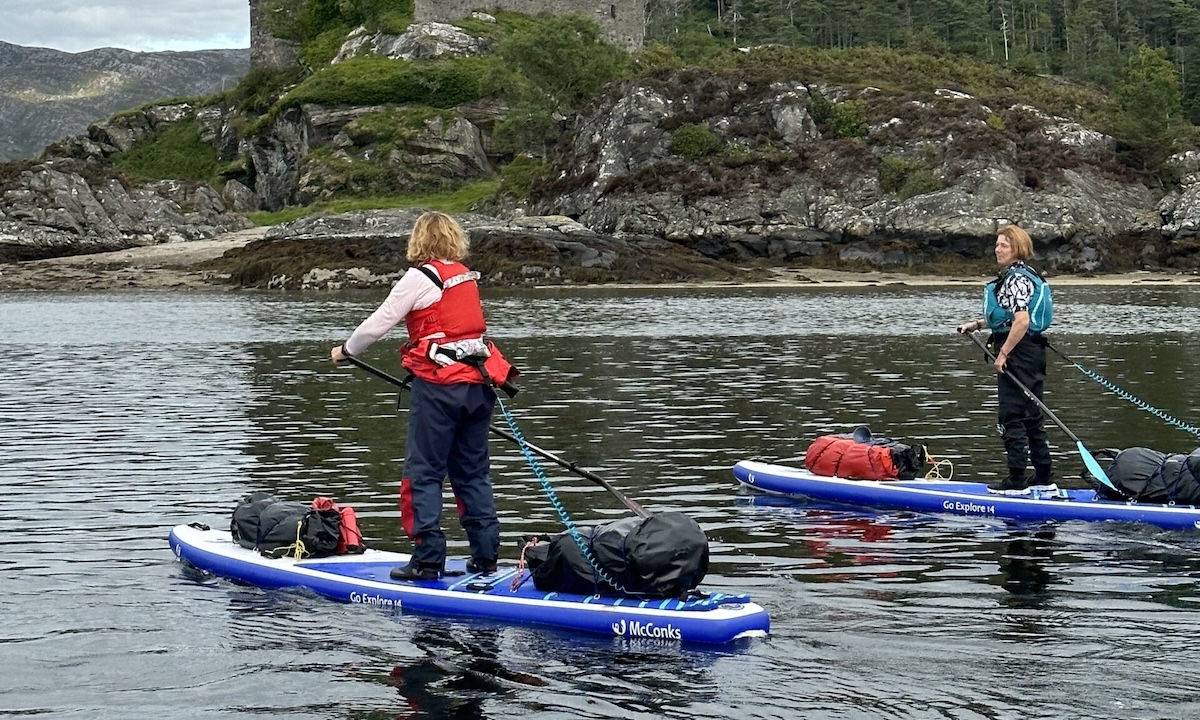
448,438
1021,421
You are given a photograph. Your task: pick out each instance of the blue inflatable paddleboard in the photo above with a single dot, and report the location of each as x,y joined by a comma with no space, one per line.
364,579
960,498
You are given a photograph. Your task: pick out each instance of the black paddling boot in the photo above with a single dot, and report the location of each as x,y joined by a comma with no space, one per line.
415,571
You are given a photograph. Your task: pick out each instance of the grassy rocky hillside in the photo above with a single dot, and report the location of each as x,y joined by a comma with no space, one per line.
46,95
386,113
860,157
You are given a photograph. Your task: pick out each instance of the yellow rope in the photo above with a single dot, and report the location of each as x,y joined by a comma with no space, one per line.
297,549
935,467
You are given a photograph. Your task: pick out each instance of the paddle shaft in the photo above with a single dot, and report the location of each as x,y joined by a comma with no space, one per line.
1028,393
1088,460
633,506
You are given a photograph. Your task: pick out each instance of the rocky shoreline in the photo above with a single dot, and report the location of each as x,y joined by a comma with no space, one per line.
166,266
195,265
738,174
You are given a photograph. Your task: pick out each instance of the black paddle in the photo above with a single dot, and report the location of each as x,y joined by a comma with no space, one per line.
1088,461
633,506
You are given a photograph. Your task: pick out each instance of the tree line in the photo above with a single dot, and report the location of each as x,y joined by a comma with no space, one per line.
1085,40
1143,55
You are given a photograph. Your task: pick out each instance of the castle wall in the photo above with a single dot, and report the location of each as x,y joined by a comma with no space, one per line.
267,51
622,21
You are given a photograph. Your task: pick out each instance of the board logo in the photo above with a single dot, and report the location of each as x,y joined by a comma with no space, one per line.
646,630
376,600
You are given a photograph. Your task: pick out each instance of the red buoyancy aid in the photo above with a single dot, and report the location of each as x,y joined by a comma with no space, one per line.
841,456
458,315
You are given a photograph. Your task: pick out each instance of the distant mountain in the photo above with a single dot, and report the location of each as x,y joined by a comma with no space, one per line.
46,95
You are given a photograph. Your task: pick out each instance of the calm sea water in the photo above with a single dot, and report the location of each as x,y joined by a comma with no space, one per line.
122,415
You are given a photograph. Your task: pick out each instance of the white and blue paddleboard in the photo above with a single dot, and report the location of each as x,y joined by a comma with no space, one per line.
960,498
364,579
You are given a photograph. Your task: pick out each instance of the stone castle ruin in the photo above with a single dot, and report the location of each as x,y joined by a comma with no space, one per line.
621,21
268,52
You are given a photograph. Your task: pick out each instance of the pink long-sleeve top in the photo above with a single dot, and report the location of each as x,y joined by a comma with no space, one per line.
414,291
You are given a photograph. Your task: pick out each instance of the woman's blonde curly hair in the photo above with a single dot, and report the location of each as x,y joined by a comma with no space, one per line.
436,236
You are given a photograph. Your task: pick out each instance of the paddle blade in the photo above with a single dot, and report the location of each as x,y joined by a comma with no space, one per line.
1093,467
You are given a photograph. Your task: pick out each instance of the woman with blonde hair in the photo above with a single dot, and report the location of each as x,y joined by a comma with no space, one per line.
453,368
1017,308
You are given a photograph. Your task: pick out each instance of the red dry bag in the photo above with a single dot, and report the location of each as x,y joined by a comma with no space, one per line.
862,457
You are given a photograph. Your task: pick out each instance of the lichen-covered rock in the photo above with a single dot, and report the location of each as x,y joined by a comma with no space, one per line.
938,173
316,153
51,210
421,41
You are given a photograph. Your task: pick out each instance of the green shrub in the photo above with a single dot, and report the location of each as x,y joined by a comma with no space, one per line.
173,152
694,141
322,49
259,89
507,23
565,57
820,108
302,21
388,16
846,119
382,81
905,178
656,58
528,125
518,177
995,122
1027,65
849,119
697,47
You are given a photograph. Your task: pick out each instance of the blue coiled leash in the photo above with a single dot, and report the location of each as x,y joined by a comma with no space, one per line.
553,496
529,450
1128,396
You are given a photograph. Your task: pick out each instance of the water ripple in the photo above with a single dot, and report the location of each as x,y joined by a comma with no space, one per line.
121,416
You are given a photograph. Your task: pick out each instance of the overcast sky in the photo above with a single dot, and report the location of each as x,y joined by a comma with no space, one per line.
142,25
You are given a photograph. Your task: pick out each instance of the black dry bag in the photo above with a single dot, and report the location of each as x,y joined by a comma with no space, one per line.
277,527
1149,476
664,555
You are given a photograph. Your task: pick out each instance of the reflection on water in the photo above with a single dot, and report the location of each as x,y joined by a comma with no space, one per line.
1023,569
122,415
